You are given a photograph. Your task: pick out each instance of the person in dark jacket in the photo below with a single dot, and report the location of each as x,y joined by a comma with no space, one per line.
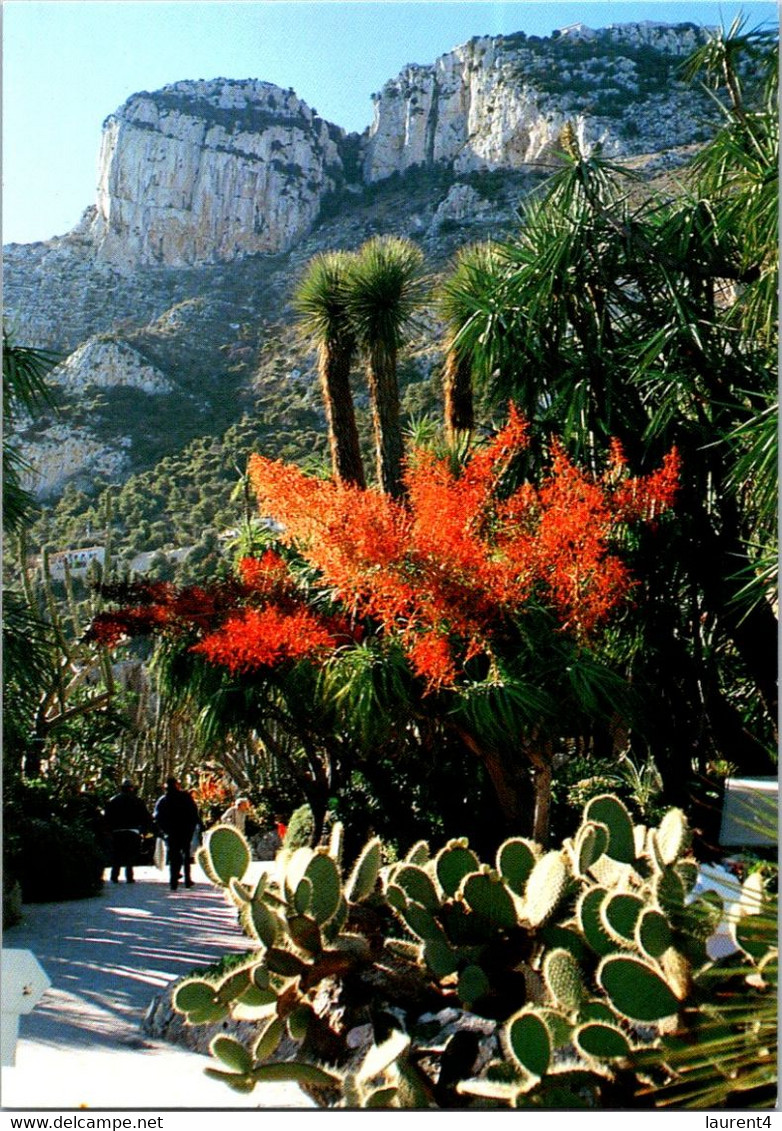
127,817
176,816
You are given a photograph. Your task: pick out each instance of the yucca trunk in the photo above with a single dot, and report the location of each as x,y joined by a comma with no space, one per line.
384,393
457,387
334,367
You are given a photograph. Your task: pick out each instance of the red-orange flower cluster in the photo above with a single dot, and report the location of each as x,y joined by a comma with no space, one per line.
255,638
446,572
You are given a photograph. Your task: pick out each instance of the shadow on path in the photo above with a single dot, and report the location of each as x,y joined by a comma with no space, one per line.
108,956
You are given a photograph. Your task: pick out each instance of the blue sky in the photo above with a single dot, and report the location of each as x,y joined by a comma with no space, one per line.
67,65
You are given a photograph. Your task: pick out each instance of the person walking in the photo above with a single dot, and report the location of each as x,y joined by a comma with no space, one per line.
127,818
176,816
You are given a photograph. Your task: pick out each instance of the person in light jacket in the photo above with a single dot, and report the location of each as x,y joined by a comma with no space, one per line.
237,814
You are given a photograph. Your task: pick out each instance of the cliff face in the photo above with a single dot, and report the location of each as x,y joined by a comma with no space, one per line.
206,171
501,102
159,302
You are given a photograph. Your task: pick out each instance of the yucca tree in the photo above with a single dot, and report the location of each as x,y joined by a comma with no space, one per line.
321,301
384,292
470,302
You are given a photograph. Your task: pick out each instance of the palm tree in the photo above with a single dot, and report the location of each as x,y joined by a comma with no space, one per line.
385,287
468,302
321,302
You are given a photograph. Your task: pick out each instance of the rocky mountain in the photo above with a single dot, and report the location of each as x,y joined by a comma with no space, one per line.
169,300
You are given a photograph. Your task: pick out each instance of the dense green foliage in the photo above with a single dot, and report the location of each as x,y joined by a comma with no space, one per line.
654,323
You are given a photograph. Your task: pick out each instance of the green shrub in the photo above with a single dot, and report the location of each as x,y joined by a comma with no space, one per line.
58,862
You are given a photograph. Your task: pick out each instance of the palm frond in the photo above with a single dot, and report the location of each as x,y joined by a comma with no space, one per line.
385,289
320,298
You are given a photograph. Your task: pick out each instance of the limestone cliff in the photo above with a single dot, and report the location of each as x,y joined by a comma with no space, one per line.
109,364
501,102
205,171
170,297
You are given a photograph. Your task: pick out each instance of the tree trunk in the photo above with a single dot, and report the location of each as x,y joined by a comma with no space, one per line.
346,460
384,391
540,755
457,388
510,782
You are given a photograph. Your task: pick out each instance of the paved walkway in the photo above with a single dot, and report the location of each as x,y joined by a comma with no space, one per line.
107,957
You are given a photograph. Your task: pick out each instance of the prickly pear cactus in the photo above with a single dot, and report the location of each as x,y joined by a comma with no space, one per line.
619,945
298,917
588,958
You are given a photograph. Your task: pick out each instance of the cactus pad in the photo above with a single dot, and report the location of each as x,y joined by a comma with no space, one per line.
489,898
233,985
302,897
515,860
417,885
687,871
602,1041
323,873
563,978
365,873
227,853
261,922
336,841
609,811
418,854
309,1075
421,921
672,836
635,989
454,863
559,1025
529,1042
668,891
652,932
268,1039
619,914
546,885
232,1053
191,997
590,844
590,920
677,972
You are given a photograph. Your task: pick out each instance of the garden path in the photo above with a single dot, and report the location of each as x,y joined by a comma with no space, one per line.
106,958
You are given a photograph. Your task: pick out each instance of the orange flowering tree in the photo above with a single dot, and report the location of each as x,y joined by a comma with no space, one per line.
485,585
